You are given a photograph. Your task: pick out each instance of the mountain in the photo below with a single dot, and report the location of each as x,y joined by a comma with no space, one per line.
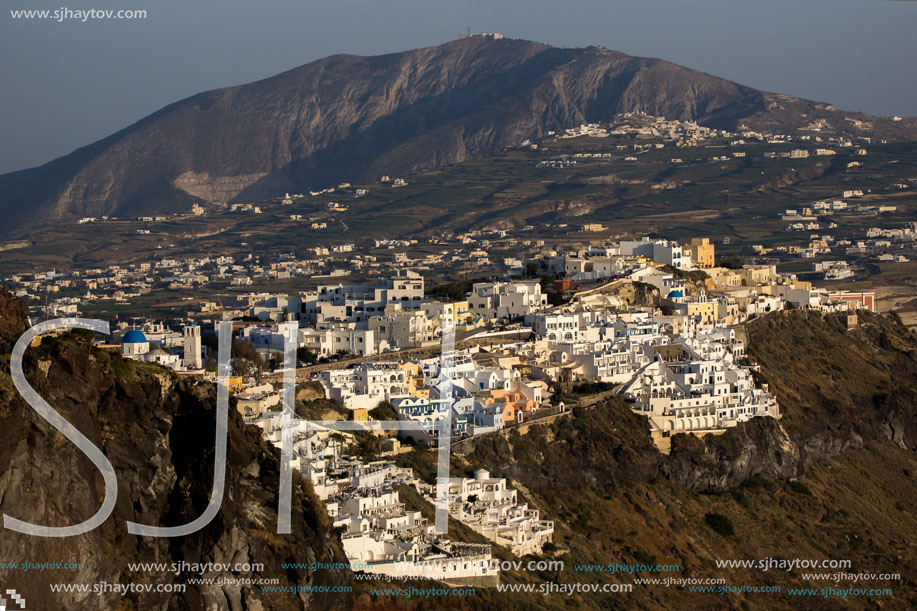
356,118
158,432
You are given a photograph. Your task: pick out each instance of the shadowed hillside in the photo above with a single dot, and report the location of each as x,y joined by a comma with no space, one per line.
834,479
158,433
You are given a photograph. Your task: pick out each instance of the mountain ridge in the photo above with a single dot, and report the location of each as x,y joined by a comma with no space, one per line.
355,118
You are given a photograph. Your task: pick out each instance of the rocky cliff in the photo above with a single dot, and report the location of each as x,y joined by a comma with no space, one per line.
158,432
834,478
839,388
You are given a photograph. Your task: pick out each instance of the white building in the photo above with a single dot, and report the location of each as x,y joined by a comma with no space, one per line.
359,302
557,327
662,252
366,385
492,300
684,391
490,507
402,330
192,347
379,535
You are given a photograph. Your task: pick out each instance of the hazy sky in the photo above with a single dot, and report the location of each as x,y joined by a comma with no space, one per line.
67,84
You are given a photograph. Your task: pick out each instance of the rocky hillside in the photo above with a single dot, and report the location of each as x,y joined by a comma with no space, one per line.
841,388
356,118
836,478
158,433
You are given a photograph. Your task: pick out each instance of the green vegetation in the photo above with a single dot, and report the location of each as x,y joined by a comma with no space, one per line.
367,446
304,355
451,291
383,411
720,524
592,388
246,358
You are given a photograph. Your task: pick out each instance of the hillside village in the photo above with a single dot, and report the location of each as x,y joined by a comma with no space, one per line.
657,321
676,355
652,320
488,324
655,318
854,224
676,358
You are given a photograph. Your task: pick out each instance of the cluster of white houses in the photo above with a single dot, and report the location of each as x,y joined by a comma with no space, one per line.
361,320
664,337
684,376
490,507
380,535
675,355
695,385
485,393
678,359
390,315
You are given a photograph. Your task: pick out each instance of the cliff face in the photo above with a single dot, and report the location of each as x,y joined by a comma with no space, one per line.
158,433
356,118
834,478
838,389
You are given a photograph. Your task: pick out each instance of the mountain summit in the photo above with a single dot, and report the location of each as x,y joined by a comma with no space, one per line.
355,118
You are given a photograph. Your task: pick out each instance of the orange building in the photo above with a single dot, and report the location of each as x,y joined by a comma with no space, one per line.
235,384
359,415
513,403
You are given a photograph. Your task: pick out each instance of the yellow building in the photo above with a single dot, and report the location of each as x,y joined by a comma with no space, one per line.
359,415
705,311
415,380
753,275
420,392
463,314
702,252
727,277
